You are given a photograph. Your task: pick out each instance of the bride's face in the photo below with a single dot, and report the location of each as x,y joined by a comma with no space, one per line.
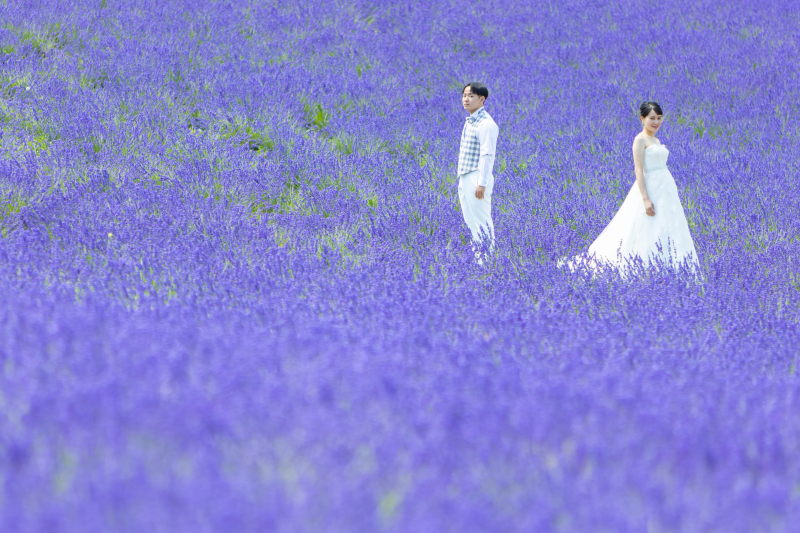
651,122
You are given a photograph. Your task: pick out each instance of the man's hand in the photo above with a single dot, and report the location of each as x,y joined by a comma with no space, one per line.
479,192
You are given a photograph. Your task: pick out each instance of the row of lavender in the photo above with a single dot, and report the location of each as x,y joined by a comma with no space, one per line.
237,293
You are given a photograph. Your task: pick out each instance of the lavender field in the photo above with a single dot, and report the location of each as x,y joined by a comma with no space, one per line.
237,292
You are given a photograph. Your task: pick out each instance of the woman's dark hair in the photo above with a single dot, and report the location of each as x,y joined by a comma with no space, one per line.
646,107
477,88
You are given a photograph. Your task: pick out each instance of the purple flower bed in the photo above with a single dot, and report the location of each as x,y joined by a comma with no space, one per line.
236,291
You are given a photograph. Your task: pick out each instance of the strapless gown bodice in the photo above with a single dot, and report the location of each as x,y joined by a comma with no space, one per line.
655,158
656,173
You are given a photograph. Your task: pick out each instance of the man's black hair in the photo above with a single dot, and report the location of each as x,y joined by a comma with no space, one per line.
477,88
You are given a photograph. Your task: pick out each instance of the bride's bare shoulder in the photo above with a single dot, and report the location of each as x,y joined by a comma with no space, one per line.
642,143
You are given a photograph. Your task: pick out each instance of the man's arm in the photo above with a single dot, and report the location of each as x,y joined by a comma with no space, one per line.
487,137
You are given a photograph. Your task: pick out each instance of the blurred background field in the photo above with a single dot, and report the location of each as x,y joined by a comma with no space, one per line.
236,291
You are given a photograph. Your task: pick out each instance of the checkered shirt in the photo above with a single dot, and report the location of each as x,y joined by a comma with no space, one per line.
470,153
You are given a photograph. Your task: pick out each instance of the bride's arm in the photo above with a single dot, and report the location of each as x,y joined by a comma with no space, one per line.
638,164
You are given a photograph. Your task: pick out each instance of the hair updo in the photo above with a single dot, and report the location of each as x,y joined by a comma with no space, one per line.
646,107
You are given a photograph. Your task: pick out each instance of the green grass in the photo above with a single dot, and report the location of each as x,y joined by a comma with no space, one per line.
50,38
11,86
243,132
39,136
11,205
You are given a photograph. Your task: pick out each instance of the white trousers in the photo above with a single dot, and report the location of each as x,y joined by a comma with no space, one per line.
477,213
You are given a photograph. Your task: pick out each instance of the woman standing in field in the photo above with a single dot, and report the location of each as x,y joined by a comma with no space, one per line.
650,223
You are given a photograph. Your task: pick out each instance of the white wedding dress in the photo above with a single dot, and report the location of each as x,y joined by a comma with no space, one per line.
632,233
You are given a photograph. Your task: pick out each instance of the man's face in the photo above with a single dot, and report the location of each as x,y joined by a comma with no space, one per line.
471,101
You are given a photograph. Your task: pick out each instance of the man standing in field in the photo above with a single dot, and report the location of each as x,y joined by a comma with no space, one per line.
475,162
